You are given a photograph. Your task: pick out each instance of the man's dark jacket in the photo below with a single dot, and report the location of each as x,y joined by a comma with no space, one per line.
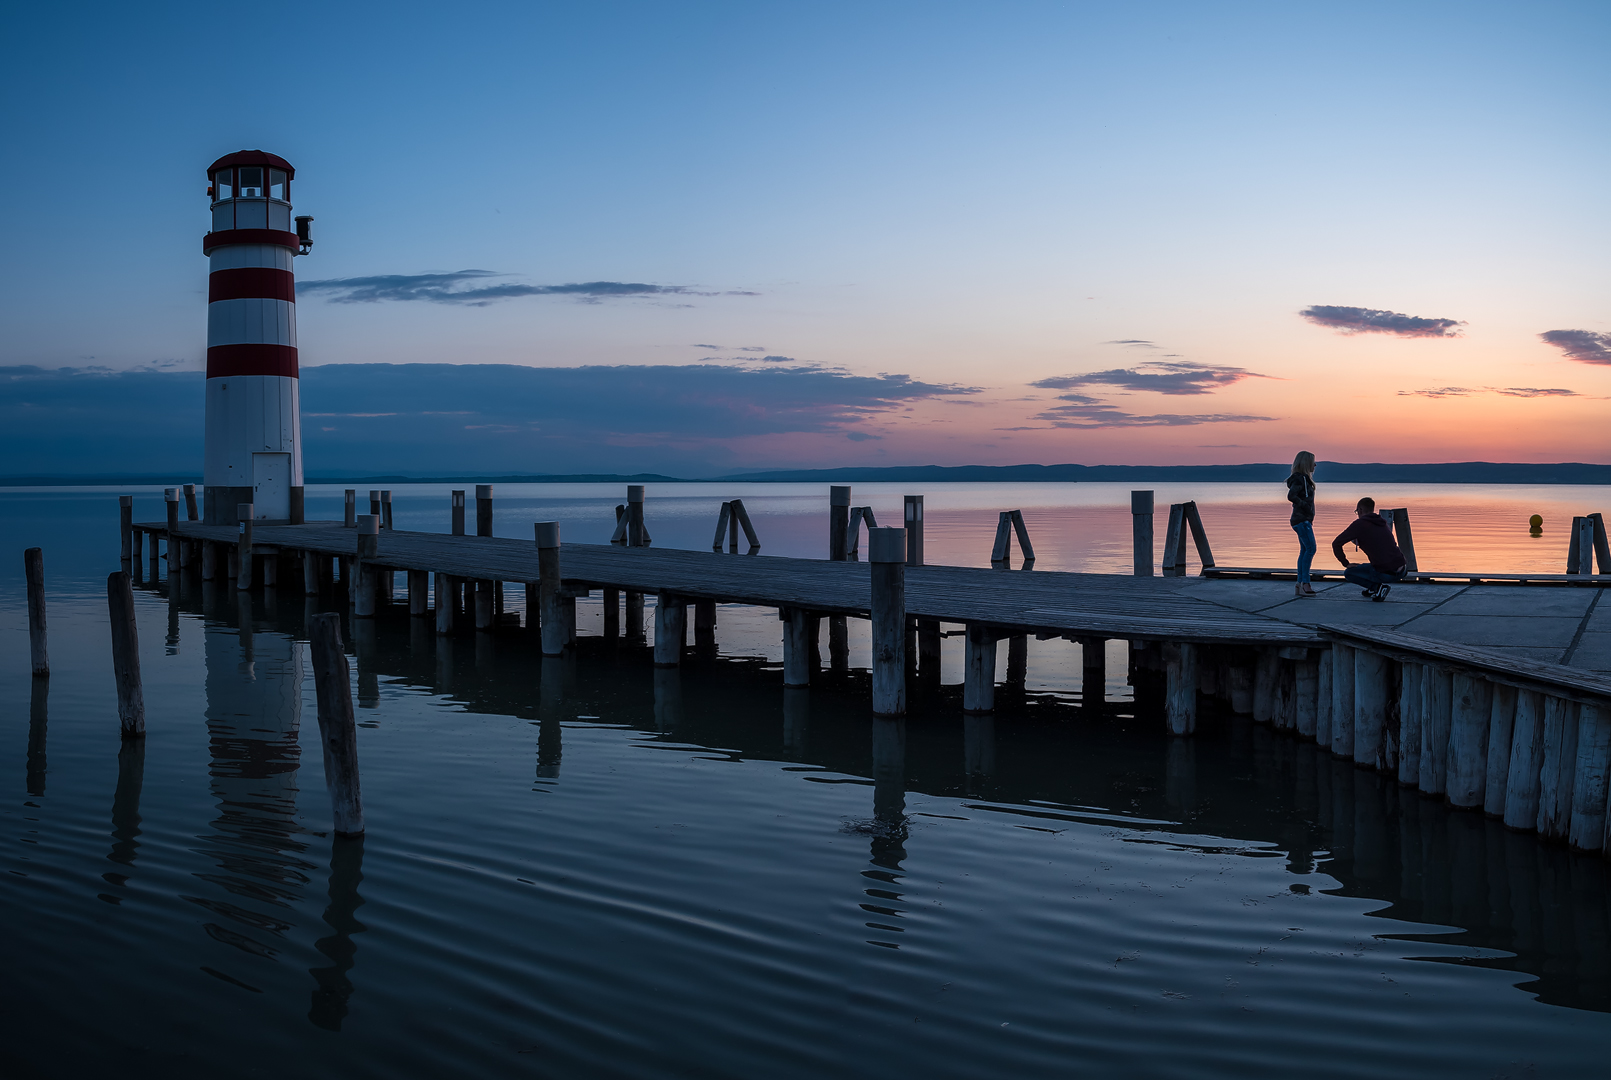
1375,538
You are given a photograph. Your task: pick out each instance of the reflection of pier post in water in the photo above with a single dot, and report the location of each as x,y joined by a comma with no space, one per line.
889,793
126,813
796,719
254,707
329,1005
667,698
550,712
38,707
978,749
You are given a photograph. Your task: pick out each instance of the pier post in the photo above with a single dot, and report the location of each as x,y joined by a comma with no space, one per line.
1409,725
386,509
705,629
1093,673
839,644
483,509
1437,715
209,561
635,534
125,523
1371,690
1342,700
243,547
1559,768
1323,699
634,617
444,603
1180,687
671,630
1526,761
838,551
1589,784
191,511
271,571
1501,730
361,590
458,513
886,551
555,633
979,669
125,655
483,605
1266,670
419,588
1307,690
928,650
1239,685
170,497
374,504
338,733
612,614
1471,708
1017,660
349,511
33,567
1141,531
310,572
797,623
914,530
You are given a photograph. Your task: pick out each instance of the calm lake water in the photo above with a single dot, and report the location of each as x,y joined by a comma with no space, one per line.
583,867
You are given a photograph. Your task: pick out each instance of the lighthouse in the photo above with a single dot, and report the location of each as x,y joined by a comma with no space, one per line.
254,425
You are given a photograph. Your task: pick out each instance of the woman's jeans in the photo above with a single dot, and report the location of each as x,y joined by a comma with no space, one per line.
1306,549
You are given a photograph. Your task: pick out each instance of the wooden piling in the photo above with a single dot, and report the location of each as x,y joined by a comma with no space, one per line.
338,732
361,592
271,571
1406,540
484,619
386,509
457,517
1587,831
349,511
1174,553
125,522
1371,691
1437,715
554,631
170,497
914,530
612,614
374,504
1021,531
1559,768
1602,549
33,568
741,519
886,551
635,536
1501,733
724,520
192,512
243,546
1409,725
444,603
634,617
705,627
1284,705
125,655
310,572
1180,687
1093,672
1324,699
1342,700
483,510
1239,687
671,631
1307,691
1471,709
1266,670
979,669
1141,531
732,528
419,589
1199,535
838,522
1526,761
796,648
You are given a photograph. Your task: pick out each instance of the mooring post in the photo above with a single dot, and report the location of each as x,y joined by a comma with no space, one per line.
1371,692
1409,725
458,513
33,566
838,551
671,630
979,669
243,546
1180,687
349,515
1406,540
125,655
374,503
1471,707
1141,531
444,603
796,648
1501,730
1589,785
914,530
125,522
1526,761
555,634
732,527
191,510
338,733
886,551
1342,700
1437,714
1174,556
386,509
170,497
362,590
483,510
1602,548
635,536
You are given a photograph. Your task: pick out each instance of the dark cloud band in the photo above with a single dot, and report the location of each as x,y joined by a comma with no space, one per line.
1181,377
1358,320
1089,412
462,287
1586,345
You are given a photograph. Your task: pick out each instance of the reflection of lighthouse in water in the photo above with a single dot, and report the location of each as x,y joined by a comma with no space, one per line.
254,710
254,428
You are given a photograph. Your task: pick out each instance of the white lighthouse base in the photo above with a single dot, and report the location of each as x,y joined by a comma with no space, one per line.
254,452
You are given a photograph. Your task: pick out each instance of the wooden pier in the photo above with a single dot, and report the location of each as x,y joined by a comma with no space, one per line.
1495,697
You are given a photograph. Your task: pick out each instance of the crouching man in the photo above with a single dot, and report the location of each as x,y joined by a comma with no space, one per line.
1375,538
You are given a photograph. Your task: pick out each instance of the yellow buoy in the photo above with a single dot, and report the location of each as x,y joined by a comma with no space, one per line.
1536,521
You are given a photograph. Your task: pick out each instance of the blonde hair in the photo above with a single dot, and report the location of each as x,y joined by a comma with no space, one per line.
1303,463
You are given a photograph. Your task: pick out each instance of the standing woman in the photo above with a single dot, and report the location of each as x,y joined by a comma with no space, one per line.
1301,494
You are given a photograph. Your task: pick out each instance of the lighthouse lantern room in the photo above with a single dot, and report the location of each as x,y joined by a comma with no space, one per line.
254,427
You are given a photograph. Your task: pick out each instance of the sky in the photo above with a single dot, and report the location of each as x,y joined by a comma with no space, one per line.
731,236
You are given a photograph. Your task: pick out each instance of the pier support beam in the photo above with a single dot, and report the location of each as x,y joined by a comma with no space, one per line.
928,651
1141,531
1559,768
125,656
979,670
838,644
1370,708
170,496
797,627
886,551
556,634
1323,700
1437,714
362,587
1471,707
243,571
1180,687
612,614
634,618
1342,701
419,587
670,630
1501,729
444,602
1589,785
1093,672
1307,696
1266,673
705,629
1526,761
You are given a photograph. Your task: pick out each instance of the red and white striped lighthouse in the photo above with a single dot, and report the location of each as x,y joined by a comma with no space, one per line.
254,425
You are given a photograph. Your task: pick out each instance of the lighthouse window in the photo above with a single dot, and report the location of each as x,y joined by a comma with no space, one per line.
251,183
277,184
224,184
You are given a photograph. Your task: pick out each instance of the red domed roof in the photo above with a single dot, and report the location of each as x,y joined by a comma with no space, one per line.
252,157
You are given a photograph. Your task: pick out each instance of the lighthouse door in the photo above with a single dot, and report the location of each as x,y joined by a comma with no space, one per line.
271,487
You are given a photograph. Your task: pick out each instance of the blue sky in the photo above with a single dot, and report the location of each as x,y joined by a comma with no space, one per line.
980,198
